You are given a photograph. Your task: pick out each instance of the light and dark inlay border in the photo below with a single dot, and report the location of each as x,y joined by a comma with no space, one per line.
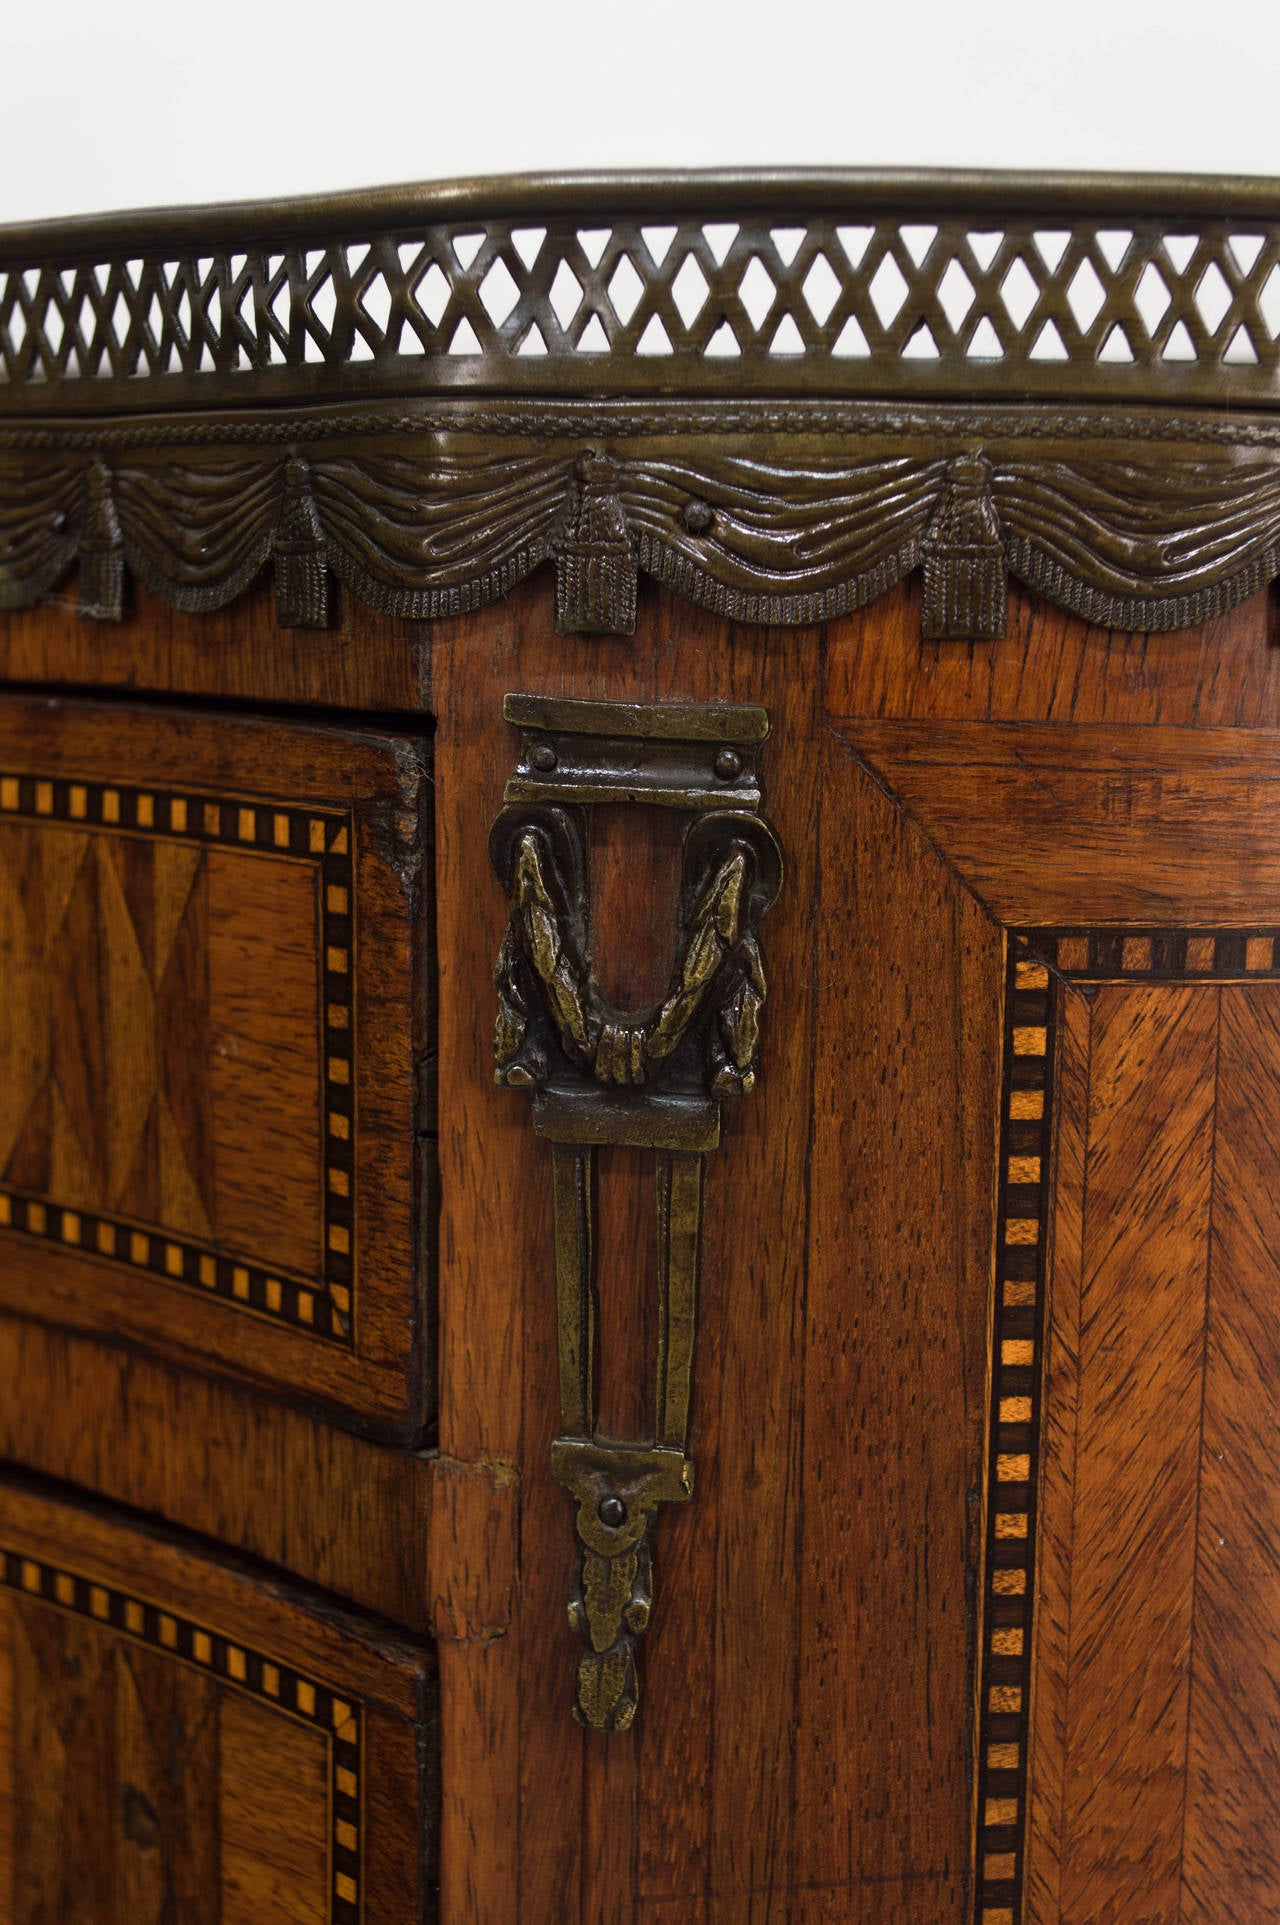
1039,961
240,1667
324,837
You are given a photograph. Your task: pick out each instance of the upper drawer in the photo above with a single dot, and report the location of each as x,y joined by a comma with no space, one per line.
214,1029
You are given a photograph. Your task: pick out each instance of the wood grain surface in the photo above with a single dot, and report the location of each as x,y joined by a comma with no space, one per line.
1044,821
215,947
1231,1854
236,654
896,1321
184,1741
805,1747
270,1825
1148,1170
783,1766
9,1761
341,1511
1053,668
1154,1738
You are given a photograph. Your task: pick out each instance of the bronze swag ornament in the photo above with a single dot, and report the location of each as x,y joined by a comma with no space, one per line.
651,1078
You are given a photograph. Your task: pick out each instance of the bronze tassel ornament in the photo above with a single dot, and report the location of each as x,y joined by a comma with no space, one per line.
302,570
595,558
100,590
965,580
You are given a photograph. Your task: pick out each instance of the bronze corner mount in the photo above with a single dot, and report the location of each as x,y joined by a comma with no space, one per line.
653,1078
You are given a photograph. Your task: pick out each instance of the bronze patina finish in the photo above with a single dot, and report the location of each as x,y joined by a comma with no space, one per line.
652,1078
778,394
453,287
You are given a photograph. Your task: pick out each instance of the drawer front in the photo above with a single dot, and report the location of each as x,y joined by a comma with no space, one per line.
214,1035
179,1741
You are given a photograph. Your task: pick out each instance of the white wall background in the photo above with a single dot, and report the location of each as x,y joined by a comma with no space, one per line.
148,101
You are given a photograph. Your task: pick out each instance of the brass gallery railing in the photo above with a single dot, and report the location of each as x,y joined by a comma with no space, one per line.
778,395
716,286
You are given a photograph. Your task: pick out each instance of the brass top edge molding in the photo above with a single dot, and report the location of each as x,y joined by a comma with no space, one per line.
711,190
651,721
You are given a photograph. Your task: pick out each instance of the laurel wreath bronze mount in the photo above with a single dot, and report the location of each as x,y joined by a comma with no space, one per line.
651,1078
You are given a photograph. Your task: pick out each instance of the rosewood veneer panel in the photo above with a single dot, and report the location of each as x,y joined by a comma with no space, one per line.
1152,1736
215,943
182,1738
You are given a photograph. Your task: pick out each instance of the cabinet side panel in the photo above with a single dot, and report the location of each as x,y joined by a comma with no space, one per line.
908,1026
1231,1863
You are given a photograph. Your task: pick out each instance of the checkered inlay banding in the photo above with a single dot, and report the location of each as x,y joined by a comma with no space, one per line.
339,1719
323,1305
1013,1439
1039,960
1160,955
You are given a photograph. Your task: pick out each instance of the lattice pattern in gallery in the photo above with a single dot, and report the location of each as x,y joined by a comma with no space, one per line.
865,304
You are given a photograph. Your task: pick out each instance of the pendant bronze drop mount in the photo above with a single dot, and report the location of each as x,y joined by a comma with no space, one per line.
653,1079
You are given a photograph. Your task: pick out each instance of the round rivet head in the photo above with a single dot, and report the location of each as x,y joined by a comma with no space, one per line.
612,1511
728,764
699,517
543,756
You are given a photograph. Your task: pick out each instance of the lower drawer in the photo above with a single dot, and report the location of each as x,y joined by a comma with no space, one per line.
183,1740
